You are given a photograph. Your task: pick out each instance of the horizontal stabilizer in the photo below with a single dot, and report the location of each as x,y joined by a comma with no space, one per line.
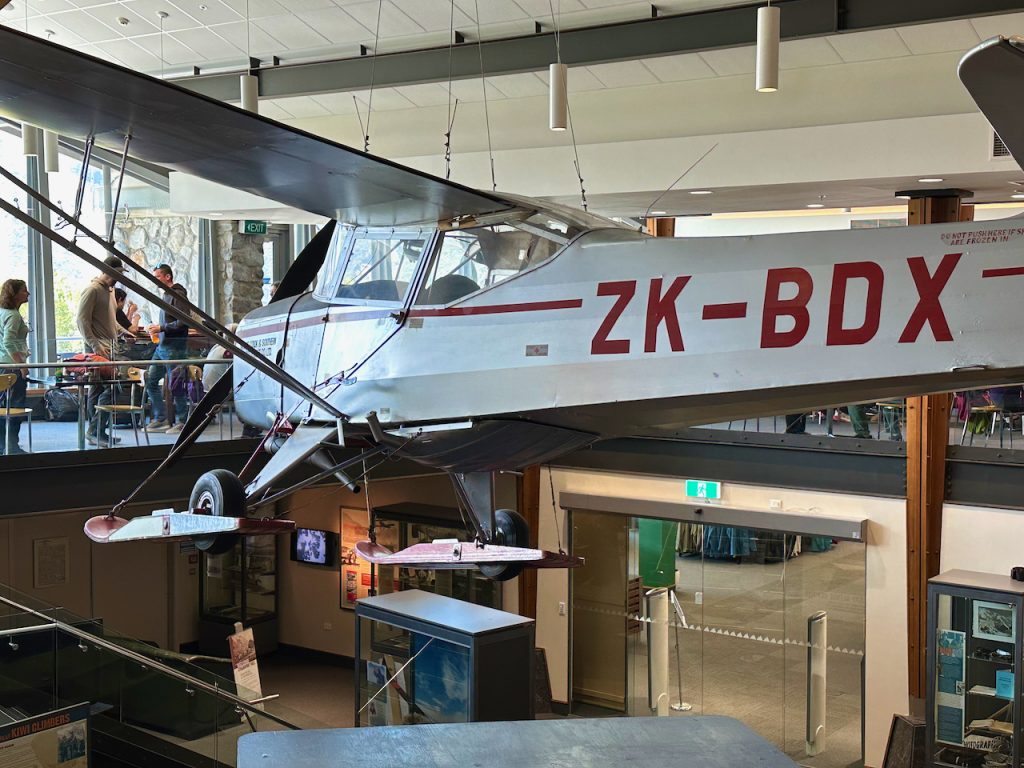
447,555
178,526
71,93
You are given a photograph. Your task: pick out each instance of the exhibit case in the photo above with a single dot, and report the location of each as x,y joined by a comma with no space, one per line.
974,650
427,658
239,585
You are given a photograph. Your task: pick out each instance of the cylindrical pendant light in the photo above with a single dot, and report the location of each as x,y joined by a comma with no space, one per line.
250,86
557,101
51,152
31,138
767,77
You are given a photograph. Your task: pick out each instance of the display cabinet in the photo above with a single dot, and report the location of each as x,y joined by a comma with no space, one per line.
398,526
426,658
974,652
239,585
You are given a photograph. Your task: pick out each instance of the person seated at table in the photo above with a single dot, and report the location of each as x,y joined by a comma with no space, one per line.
127,313
13,349
172,334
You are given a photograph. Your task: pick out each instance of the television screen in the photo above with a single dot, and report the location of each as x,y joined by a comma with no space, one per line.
313,546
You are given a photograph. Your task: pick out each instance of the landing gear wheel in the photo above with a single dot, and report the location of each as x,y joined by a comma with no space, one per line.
219,492
511,531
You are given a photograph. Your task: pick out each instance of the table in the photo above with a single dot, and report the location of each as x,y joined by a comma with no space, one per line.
637,742
81,384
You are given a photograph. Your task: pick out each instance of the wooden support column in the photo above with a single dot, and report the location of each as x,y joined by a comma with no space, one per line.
927,436
665,227
529,508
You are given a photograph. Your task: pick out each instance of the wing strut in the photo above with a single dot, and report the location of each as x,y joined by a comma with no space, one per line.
230,340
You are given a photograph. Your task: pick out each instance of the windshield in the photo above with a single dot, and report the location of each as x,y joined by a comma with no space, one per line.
381,265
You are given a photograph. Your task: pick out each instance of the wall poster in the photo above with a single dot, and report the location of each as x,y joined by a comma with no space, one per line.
355,573
50,562
58,738
949,693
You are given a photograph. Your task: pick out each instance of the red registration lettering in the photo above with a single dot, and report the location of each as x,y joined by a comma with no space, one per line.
601,344
842,274
928,308
663,309
775,307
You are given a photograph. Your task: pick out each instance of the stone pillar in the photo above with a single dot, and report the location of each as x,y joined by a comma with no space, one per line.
238,264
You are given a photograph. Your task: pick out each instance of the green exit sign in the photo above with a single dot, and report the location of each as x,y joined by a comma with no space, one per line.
253,228
703,489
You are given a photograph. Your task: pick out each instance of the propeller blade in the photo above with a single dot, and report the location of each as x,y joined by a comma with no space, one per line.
303,271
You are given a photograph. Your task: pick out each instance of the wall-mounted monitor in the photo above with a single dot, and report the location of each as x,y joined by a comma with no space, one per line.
315,547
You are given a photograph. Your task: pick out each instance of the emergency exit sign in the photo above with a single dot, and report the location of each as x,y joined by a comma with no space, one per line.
252,227
703,489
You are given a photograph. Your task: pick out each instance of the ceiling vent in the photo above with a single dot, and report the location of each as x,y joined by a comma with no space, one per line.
998,148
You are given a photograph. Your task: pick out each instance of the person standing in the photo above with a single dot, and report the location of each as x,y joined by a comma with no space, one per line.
172,345
97,324
13,349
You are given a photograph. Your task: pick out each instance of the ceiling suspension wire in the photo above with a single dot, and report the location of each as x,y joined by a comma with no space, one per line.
555,20
373,68
483,85
451,110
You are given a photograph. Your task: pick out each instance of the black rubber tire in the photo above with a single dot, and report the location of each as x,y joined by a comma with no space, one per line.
218,492
512,531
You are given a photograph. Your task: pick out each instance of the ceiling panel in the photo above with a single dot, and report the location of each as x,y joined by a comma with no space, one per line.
256,8
148,9
174,52
623,74
301,106
730,61
384,100
85,26
578,79
338,103
939,38
43,26
336,25
541,9
270,109
433,15
259,42
208,44
393,22
470,90
807,52
99,53
132,55
40,8
686,66
492,11
425,94
869,45
519,85
1006,25
215,12
291,31
137,24
89,3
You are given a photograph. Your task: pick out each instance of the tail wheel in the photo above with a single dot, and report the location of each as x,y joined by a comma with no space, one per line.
219,493
511,530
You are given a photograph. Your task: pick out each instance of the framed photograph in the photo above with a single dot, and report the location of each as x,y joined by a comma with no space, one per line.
49,562
994,621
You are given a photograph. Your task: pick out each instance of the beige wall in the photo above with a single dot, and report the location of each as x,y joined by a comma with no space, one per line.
886,641
981,538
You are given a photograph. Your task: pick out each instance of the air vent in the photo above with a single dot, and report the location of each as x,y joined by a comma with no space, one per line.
998,148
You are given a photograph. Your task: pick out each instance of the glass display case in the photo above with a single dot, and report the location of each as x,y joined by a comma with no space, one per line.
239,585
426,658
974,650
401,525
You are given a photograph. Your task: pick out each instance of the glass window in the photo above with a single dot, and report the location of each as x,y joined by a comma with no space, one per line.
381,265
471,259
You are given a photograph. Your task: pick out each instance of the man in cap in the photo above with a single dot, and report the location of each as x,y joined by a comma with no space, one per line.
97,324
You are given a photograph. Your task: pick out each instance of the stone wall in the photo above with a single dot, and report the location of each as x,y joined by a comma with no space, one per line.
238,266
153,240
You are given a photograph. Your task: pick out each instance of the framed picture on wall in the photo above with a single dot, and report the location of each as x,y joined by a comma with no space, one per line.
49,562
994,621
355,573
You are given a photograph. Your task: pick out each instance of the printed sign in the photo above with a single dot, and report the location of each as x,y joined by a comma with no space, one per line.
58,738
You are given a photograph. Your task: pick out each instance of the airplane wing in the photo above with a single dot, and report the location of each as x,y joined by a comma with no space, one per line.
993,72
74,94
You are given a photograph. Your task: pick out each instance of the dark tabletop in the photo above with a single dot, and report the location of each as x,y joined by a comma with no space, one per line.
634,742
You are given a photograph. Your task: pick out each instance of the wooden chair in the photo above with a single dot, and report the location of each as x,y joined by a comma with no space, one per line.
135,412
891,412
7,381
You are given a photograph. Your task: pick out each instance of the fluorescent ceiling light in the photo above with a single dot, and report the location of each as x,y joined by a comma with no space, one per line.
658,213
1018,196
701,192
815,205
930,181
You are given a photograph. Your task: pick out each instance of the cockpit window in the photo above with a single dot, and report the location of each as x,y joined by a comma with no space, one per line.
471,259
381,265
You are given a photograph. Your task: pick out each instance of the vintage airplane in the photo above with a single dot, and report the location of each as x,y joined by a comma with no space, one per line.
475,332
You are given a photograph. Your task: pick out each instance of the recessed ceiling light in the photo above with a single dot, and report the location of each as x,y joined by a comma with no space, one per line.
815,205
1018,196
701,192
903,197
216,214
658,213
934,180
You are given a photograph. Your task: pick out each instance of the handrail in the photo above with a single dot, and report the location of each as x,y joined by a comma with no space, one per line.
117,363
145,661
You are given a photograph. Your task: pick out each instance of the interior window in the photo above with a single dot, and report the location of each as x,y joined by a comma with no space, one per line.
381,265
471,259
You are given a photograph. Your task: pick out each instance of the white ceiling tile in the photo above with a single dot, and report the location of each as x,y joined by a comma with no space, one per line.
259,42
492,11
470,90
148,9
622,74
541,9
45,7
519,85
85,26
214,13
90,3
807,52
41,26
269,108
257,8
730,61
1004,24
339,103
173,51
291,31
132,55
578,79
207,44
99,53
384,100
300,6
940,37
425,94
393,22
869,45
336,25
137,24
686,66
433,15
301,106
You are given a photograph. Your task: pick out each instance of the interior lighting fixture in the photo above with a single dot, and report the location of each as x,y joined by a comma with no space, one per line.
934,180
815,205
51,153
766,78
248,83
1018,196
701,192
30,140
658,213
558,74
